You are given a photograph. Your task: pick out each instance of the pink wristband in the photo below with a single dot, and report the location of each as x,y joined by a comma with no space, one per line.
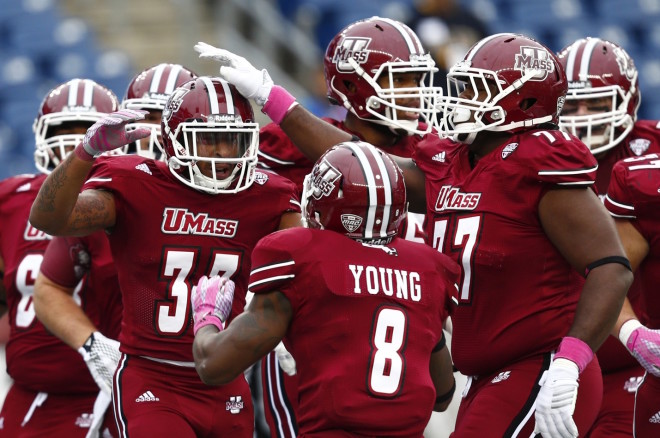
575,350
208,320
82,153
278,104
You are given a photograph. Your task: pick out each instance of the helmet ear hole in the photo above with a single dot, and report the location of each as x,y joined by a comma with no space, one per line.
526,104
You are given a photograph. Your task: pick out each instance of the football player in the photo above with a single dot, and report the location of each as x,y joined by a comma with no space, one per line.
68,259
53,393
149,90
601,109
376,69
200,213
358,307
632,199
509,196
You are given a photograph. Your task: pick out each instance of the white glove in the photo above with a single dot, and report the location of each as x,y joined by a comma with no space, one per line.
251,83
286,361
555,403
102,356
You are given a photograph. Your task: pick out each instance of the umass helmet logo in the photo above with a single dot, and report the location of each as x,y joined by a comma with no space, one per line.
534,58
323,179
351,48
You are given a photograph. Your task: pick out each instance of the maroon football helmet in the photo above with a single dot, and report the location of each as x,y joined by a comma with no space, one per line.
599,69
78,100
210,111
506,82
357,190
149,91
369,49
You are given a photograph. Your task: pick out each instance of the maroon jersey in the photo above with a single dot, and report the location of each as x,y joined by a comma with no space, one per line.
365,322
68,260
633,194
168,235
514,281
642,140
36,360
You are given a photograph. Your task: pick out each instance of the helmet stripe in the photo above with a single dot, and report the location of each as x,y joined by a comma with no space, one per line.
414,44
481,43
387,185
155,80
213,96
73,93
371,184
570,62
88,93
367,169
172,78
586,58
229,98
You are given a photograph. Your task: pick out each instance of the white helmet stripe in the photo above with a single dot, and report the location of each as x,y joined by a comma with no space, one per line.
172,77
155,80
586,58
413,42
570,62
371,182
73,93
88,93
387,184
481,43
213,96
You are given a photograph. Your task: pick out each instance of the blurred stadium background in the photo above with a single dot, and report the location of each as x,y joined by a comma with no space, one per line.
45,42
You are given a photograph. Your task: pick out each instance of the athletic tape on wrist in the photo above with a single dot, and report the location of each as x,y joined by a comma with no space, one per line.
626,330
575,350
82,153
208,320
279,103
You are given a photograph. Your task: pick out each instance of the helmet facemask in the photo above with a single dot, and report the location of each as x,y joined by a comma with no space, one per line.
384,104
190,141
601,130
482,110
52,149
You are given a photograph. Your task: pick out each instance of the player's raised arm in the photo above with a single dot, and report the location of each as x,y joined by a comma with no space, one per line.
60,208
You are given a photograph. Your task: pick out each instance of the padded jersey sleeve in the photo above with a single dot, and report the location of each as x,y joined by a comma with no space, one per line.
557,158
274,263
633,187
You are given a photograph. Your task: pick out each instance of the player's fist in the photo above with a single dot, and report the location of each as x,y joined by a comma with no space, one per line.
212,300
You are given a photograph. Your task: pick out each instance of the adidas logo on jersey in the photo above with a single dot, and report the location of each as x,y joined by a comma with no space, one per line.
655,419
235,404
85,420
144,168
501,376
147,397
440,156
24,188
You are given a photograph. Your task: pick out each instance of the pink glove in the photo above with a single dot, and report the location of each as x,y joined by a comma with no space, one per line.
643,343
110,133
211,301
